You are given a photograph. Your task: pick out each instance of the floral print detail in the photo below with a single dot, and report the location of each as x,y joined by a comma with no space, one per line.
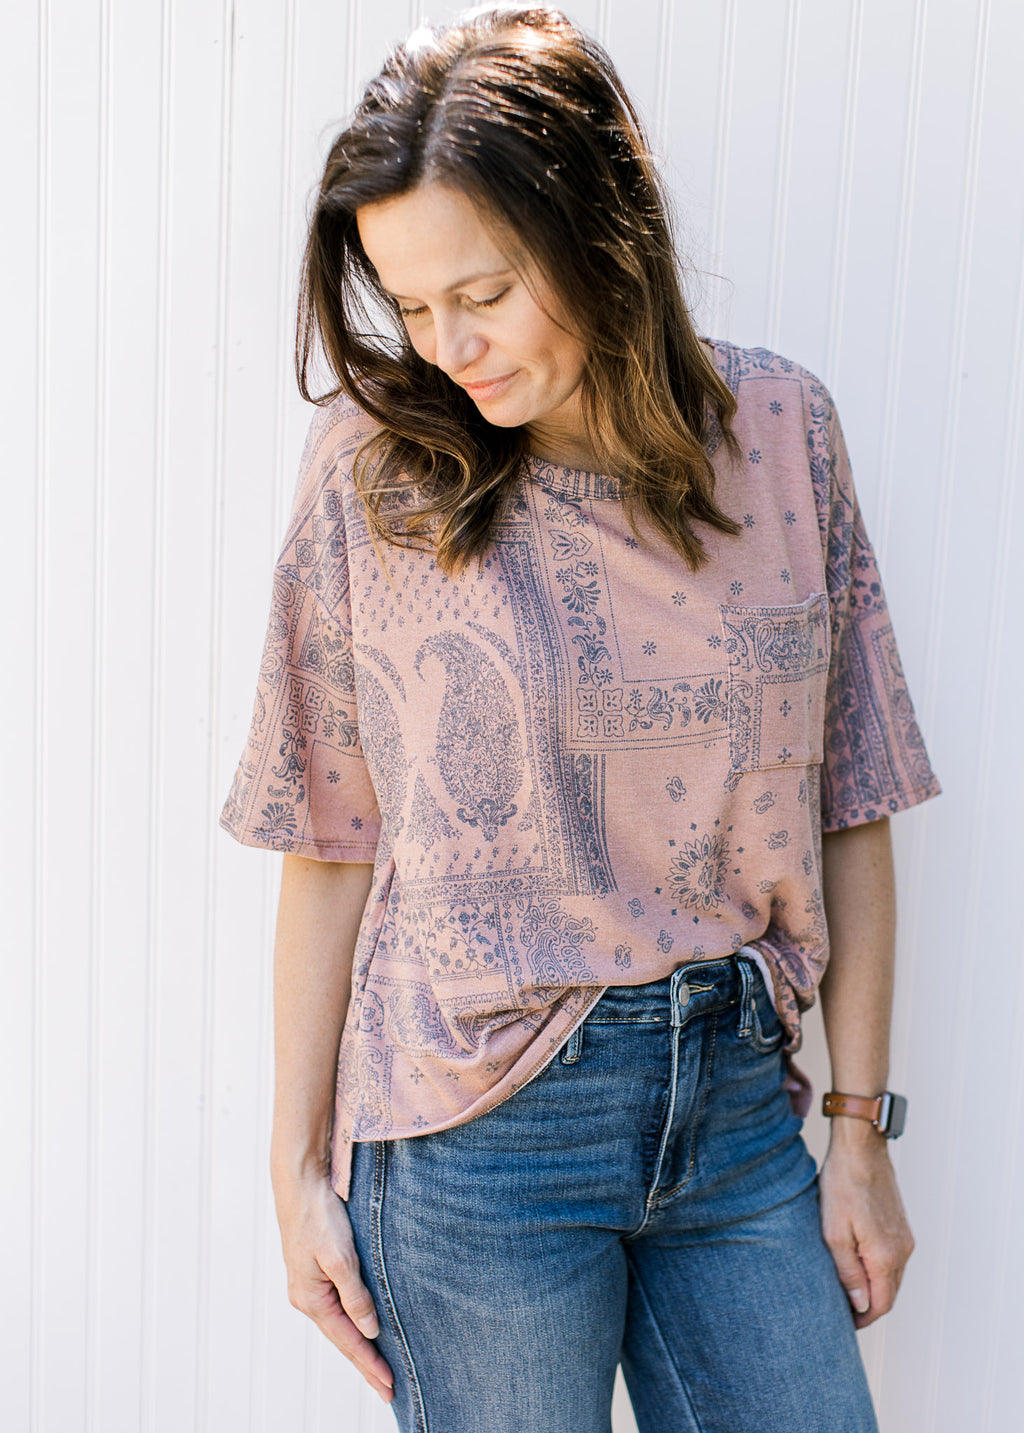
623,956
777,839
661,709
764,802
581,595
748,520
356,823
709,701
790,517
649,648
599,713
774,651
754,455
278,826
784,574
636,908
698,870
679,598
675,788
665,942
736,588
566,544
714,640
775,407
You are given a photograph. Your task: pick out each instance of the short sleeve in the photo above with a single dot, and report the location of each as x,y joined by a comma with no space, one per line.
875,762
302,784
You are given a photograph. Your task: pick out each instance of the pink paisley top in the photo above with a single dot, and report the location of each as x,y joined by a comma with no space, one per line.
577,764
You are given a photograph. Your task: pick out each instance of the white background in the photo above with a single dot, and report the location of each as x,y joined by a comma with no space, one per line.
849,188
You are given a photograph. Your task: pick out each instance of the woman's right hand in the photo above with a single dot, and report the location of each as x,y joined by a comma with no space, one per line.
324,1279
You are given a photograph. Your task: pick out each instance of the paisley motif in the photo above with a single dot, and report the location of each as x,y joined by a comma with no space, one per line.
382,746
553,939
479,744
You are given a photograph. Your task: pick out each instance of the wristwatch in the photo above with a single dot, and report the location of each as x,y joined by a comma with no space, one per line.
887,1112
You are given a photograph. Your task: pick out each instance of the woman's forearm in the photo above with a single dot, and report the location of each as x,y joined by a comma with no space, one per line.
318,919
856,991
863,1221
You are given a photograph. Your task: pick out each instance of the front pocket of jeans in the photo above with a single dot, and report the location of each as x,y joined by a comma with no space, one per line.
778,672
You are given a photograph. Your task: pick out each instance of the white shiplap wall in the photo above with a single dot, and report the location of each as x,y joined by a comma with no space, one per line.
848,184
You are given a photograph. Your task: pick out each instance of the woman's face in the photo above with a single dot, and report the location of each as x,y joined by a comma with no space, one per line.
468,311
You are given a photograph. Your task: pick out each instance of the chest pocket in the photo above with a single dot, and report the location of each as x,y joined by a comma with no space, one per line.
778,670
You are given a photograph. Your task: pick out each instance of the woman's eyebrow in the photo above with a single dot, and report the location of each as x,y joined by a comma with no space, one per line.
461,283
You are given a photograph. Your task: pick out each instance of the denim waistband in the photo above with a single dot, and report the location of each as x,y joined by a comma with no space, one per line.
692,989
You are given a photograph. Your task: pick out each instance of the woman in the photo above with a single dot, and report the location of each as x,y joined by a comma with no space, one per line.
580,723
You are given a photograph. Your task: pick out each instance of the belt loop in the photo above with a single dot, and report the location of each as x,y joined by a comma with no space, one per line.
746,996
573,1047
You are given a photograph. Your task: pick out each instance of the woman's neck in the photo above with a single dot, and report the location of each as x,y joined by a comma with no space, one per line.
563,447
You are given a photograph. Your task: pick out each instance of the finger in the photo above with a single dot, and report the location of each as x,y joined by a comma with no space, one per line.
885,1282
355,1297
321,1303
852,1274
335,1325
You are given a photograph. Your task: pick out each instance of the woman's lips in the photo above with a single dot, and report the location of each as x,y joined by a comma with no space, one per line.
491,387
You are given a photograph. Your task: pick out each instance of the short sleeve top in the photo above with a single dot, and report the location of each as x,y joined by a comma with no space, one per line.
577,763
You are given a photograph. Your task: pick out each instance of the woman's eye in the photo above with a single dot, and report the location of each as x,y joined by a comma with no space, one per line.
476,303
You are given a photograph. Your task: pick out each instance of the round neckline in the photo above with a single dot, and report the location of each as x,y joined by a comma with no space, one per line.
570,482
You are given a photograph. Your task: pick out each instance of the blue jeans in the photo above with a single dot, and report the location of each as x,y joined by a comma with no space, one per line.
647,1198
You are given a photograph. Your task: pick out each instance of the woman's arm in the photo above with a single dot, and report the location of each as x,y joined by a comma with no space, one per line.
318,918
863,1220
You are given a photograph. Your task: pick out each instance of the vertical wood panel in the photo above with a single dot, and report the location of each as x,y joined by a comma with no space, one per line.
842,178
24,257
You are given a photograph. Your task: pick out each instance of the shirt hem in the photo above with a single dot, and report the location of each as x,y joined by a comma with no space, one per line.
319,850
342,1178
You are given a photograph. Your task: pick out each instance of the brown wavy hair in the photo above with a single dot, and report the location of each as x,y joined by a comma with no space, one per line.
525,115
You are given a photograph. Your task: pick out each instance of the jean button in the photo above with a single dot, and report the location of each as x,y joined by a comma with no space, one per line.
683,994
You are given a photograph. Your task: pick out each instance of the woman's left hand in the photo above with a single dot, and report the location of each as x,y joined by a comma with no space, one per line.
863,1220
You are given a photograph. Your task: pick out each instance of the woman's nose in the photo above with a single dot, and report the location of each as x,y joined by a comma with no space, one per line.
457,346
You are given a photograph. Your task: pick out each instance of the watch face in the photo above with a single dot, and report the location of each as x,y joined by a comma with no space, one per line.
894,1115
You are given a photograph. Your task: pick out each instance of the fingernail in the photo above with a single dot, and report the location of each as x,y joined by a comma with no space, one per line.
368,1326
859,1300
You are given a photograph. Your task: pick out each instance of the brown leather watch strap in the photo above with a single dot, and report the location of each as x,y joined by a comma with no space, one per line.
862,1107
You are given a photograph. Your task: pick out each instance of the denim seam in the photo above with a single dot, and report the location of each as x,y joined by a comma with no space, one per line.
669,1356
668,1115
667,1194
627,1019
379,1181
